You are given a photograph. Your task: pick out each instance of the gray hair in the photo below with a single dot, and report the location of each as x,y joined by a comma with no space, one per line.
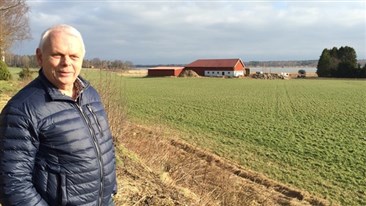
61,27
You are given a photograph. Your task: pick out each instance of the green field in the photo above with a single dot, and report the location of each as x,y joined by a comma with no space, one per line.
306,133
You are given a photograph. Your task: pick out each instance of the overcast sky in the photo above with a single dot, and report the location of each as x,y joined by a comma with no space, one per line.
179,32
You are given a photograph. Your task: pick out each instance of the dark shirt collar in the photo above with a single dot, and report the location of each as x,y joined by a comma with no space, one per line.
81,84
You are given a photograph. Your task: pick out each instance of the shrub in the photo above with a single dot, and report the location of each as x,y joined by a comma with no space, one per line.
4,72
25,74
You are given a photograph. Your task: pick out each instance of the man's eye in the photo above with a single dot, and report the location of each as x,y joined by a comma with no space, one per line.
57,56
74,57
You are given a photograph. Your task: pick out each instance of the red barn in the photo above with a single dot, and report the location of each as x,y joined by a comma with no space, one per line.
217,67
164,71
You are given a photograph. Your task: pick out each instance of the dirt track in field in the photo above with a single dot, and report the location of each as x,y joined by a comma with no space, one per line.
168,171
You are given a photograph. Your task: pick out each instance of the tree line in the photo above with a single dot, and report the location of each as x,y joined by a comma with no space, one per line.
341,63
30,61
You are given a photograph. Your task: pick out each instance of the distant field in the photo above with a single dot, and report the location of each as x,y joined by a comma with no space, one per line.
307,133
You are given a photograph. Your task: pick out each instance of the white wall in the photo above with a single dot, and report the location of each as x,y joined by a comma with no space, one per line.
223,73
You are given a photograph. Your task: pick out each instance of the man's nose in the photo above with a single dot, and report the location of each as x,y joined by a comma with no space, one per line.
67,61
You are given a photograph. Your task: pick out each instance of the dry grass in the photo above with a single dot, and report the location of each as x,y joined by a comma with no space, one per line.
133,73
4,98
205,178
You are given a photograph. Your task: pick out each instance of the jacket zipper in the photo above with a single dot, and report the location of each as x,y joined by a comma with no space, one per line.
95,119
96,146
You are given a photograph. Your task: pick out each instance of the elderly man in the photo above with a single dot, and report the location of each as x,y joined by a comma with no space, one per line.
56,147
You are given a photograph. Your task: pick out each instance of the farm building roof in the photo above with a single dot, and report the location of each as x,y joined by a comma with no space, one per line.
166,68
217,63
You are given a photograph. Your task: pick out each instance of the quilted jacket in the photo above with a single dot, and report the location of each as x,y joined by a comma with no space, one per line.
54,150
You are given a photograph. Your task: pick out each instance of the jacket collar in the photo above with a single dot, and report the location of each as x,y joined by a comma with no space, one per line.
53,91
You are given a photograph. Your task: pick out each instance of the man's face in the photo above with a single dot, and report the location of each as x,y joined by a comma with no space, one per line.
61,59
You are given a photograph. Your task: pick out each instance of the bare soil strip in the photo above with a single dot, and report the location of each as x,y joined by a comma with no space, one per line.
203,178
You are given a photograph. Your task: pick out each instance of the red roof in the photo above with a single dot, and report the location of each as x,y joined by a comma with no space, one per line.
225,63
166,68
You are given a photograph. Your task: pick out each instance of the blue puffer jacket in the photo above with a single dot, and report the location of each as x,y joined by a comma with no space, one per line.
55,151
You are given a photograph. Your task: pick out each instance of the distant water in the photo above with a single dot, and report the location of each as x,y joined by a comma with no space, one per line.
270,69
282,69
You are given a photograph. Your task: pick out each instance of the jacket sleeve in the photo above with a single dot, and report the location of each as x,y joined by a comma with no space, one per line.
18,147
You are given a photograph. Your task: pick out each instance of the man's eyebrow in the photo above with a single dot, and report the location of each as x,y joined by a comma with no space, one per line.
56,52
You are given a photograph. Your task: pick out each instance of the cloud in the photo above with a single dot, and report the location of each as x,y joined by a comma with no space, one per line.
148,32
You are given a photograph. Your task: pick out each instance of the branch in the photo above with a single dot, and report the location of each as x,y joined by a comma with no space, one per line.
11,6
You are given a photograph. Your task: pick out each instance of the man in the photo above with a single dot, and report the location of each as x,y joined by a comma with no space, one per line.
55,143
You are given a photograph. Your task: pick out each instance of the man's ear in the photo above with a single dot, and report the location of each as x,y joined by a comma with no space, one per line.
39,56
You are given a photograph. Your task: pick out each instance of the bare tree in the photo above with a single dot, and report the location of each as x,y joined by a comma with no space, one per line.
25,61
14,25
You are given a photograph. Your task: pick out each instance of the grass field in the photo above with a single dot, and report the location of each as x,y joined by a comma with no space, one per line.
307,133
